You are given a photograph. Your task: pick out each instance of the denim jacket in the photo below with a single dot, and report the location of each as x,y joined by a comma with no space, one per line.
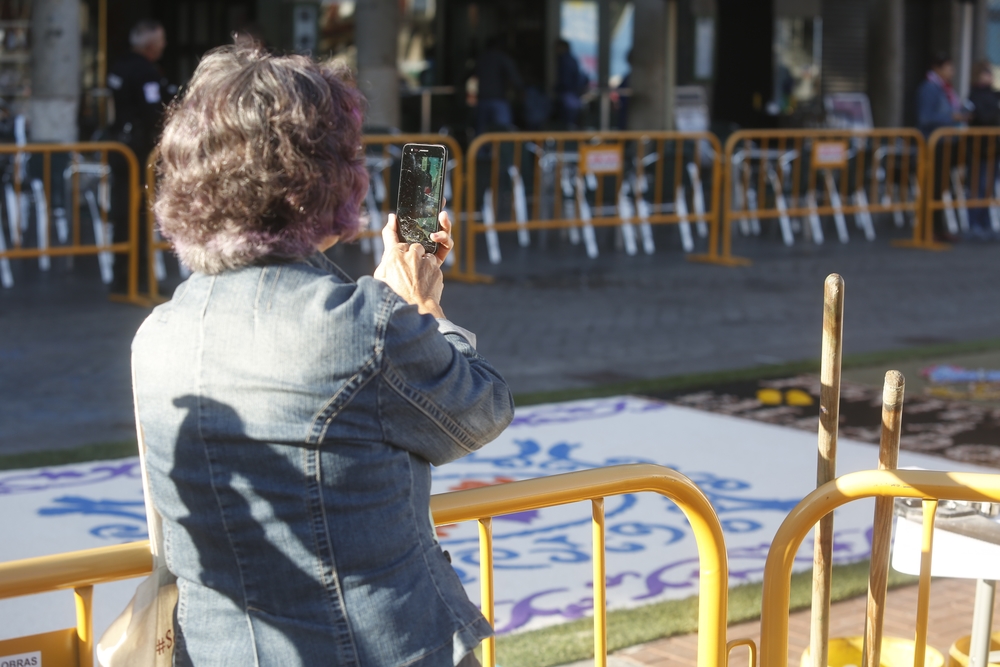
291,416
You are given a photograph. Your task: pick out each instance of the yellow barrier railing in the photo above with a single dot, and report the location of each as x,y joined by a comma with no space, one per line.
380,164
816,173
74,245
926,485
961,174
542,180
594,485
81,570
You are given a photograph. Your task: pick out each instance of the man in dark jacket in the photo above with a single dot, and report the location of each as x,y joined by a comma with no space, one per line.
985,100
496,74
570,84
937,103
140,92
985,113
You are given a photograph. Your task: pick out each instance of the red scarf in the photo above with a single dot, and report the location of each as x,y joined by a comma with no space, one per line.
949,91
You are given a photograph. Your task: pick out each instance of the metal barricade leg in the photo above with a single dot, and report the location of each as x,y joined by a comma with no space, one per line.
697,198
626,212
680,204
835,202
6,277
815,224
489,219
779,200
958,184
520,206
863,217
589,239
41,222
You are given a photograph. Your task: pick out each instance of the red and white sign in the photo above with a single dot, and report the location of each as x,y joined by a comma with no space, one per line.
827,154
601,159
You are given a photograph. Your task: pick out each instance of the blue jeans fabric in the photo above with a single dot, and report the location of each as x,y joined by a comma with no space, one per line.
291,417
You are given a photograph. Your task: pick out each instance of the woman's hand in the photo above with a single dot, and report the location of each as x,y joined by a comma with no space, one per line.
411,272
443,238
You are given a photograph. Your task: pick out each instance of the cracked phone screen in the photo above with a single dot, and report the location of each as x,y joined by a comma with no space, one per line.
421,184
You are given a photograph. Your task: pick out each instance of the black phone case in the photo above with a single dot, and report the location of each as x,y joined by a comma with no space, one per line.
432,247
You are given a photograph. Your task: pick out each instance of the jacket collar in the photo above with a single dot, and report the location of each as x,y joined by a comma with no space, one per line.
323,263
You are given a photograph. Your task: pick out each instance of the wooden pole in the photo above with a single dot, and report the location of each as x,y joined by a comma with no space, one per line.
826,463
888,459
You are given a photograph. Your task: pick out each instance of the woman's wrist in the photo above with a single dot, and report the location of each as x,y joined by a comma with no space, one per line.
431,307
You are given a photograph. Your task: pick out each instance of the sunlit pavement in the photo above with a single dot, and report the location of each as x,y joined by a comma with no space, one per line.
553,320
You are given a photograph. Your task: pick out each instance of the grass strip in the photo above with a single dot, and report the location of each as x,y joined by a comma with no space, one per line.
53,457
574,641
698,380
115,450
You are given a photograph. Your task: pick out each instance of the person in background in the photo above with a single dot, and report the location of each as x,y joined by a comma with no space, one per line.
570,84
537,106
496,74
985,112
937,102
290,414
938,106
140,92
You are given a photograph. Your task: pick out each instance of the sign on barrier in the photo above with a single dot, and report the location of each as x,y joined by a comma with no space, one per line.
601,159
578,181
32,219
830,154
801,176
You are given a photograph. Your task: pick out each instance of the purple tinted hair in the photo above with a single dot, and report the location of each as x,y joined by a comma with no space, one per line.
260,160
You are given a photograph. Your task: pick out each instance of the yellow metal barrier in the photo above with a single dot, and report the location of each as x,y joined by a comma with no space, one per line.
81,570
594,485
809,174
926,485
961,174
382,153
541,181
75,247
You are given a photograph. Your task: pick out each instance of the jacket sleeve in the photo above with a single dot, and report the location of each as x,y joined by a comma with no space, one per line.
931,113
437,397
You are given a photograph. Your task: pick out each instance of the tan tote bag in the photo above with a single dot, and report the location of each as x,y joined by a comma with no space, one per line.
143,635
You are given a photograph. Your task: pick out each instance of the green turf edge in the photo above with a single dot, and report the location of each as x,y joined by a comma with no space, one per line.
573,641
677,382
115,450
52,457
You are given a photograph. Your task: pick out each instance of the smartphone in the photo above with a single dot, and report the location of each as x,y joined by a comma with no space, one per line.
421,194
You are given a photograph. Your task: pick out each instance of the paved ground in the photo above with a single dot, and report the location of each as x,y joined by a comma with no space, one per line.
552,320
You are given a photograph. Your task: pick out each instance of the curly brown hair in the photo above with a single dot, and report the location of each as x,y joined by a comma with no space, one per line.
260,160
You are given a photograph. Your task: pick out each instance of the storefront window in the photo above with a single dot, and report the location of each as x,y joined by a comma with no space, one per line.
797,60
578,25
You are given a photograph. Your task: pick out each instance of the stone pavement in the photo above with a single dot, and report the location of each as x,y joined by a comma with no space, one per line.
553,320
950,618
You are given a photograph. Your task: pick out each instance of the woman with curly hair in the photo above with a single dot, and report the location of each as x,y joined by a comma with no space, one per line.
290,414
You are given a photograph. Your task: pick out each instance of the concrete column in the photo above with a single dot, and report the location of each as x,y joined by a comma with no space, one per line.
55,70
981,26
604,61
885,62
963,66
647,110
552,28
376,33
670,86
